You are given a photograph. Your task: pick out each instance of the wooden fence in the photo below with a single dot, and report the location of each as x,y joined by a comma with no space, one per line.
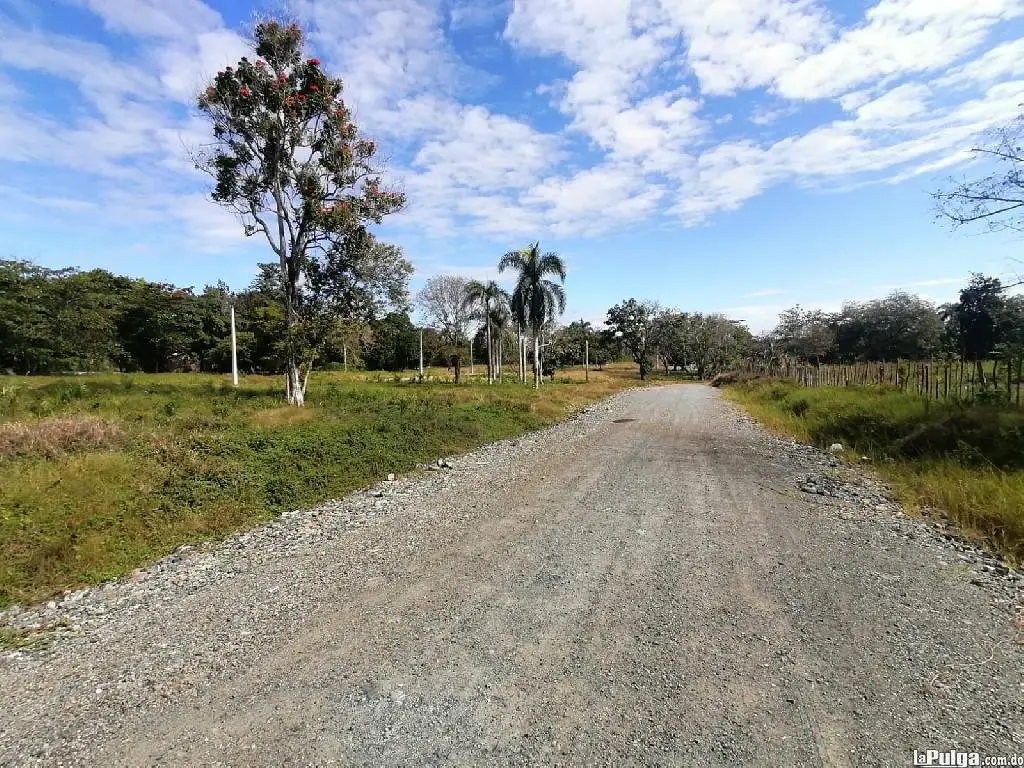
991,380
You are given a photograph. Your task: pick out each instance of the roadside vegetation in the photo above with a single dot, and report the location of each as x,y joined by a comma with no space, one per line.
102,474
964,459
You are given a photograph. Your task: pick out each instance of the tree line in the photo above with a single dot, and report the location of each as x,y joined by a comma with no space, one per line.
67,320
984,323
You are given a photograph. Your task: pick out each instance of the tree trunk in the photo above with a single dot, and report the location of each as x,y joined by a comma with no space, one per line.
536,361
295,387
522,357
490,347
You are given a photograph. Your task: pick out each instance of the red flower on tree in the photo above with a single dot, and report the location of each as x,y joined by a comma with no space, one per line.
314,62
261,63
314,88
245,92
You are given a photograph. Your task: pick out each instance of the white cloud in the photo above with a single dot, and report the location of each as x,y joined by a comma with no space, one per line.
481,272
464,15
594,200
614,43
654,130
1006,60
64,204
154,18
386,50
91,67
898,37
8,90
645,92
743,44
487,151
893,108
187,66
731,173
765,117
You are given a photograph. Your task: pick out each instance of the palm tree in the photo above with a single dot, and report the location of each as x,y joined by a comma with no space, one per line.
484,296
536,299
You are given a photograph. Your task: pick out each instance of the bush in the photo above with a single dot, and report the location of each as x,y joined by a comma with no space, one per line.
979,435
735,377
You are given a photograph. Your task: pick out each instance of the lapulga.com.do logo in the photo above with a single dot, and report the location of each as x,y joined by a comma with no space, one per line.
933,757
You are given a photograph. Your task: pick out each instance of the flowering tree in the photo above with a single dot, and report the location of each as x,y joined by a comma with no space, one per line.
288,160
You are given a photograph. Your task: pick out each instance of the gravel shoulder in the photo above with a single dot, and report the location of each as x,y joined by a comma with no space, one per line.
681,588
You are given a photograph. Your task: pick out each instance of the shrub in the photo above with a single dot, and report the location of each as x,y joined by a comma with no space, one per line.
800,406
734,377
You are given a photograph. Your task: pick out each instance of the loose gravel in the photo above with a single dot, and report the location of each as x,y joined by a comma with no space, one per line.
654,581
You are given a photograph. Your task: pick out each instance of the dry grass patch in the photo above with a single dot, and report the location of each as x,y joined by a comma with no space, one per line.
285,416
52,437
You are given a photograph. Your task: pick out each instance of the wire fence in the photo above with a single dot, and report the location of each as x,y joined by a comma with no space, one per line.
958,380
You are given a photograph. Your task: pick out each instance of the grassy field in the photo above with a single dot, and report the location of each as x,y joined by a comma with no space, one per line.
965,460
102,474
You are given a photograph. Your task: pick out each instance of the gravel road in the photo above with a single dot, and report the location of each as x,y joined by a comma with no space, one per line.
680,588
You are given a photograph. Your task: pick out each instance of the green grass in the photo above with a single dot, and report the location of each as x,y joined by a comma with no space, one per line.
965,460
190,458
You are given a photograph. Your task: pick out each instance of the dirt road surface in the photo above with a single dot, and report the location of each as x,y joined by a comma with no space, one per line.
655,591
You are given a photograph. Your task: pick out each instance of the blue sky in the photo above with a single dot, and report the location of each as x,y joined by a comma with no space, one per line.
714,155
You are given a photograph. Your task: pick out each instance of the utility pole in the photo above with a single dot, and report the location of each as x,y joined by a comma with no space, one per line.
344,354
586,359
234,350
472,367
421,354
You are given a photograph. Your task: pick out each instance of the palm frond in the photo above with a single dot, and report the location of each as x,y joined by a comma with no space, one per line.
551,264
512,260
474,293
557,294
